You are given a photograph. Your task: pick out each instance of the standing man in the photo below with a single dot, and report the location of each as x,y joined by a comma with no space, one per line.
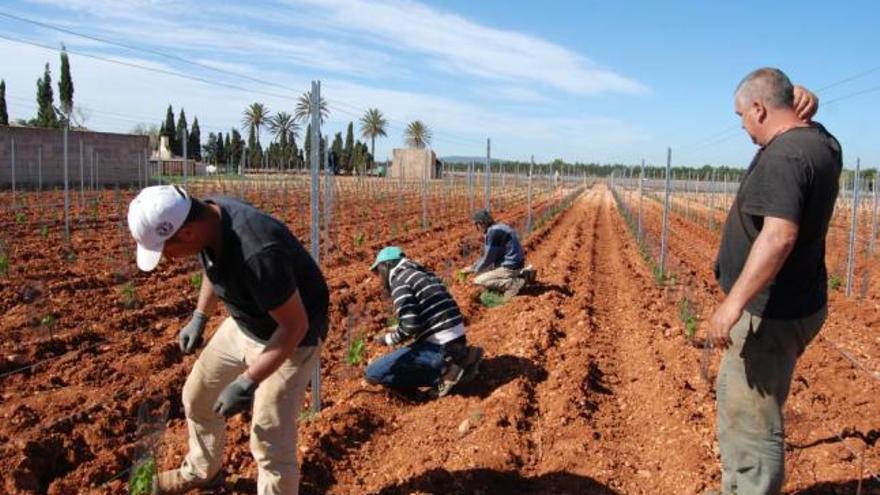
502,266
771,266
262,355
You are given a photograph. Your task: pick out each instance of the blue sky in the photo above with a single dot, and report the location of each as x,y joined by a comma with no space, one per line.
578,80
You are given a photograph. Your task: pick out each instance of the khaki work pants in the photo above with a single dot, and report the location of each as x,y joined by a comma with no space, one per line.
498,279
751,388
277,404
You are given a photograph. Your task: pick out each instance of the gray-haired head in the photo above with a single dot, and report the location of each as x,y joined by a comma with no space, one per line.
768,85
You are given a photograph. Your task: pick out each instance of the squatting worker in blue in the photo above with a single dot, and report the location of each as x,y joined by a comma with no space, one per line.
771,266
438,356
263,354
502,266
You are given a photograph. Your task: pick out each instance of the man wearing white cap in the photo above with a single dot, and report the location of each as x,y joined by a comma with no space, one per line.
261,356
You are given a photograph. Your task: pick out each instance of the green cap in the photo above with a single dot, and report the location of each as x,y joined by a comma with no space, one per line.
389,253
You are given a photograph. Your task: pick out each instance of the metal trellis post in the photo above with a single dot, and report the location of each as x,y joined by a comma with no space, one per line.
529,216
850,260
639,227
66,191
315,149
873,215
664,233
488,171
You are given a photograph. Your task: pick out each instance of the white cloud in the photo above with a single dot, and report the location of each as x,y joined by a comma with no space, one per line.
359,68
469,47
517,94
425,37
183,30
121,96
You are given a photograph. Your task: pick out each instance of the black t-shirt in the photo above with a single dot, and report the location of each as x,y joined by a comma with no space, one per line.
260,266
794,177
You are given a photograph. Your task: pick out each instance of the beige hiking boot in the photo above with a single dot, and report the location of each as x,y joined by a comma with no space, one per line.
449,380
515,286
472,364
171,482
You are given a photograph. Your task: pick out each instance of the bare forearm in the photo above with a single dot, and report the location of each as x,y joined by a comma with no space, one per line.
765,259
207,299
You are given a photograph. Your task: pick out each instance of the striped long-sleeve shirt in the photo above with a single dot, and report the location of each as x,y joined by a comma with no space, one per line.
425,309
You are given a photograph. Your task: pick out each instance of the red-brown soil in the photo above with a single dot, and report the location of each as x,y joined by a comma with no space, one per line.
831,411
88,341
589,385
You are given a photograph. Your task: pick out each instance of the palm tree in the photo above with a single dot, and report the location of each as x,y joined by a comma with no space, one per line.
417,134
285,129
304,108
373,124
282,125
255,115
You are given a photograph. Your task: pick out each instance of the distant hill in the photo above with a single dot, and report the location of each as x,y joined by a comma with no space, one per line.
468,159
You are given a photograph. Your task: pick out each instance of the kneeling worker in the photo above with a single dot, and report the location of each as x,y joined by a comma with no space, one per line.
502,266
439,356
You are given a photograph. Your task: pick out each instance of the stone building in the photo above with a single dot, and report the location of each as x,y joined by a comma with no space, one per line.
414,163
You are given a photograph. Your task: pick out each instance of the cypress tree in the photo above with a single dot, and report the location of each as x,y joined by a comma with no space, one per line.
338,151
65,86
221,149
211,148
274,154
368,158
348,151
45,101
252,140
255,151
4,116
180,133
194,145
235,146
228,156
168,129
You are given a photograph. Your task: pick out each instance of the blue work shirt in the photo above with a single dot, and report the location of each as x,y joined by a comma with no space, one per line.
502,249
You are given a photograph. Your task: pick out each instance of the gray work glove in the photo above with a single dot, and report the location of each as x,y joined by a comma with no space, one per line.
190,336
236,397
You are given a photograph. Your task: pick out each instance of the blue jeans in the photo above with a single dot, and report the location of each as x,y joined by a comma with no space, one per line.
419,364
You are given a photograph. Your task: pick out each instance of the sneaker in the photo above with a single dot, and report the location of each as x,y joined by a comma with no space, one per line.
529,274
170,482
515,286
472,364
450,379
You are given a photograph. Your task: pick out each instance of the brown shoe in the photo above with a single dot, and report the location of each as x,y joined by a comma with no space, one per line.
171,482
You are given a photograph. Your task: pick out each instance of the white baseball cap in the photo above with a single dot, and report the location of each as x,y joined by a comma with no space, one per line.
153,217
